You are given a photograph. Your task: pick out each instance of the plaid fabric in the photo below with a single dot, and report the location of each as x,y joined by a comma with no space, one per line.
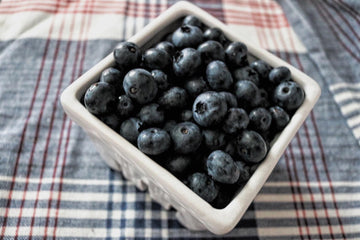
54,185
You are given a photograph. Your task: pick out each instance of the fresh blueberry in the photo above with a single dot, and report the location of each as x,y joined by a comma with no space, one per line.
225,195
235,121
175,97
230,99
113,77
167,47
127,55
161,79
169,125
246,73
280,118
193,21
186,62
203,186
221,167
218,76
236,54
140,86
244,172
214,139
253,168
209,109
124,106
186,115
289,95
251,147
262,98
100,98
245,92
155,58
153,141
152,114
262,68
195,86
178,164
111,120
260,119
186,137
210,51
215,34
230,148
279,74
130,129
187,36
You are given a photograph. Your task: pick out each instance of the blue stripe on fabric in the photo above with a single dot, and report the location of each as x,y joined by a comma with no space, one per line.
110,205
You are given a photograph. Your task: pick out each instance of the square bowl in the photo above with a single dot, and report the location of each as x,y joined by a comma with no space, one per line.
192,211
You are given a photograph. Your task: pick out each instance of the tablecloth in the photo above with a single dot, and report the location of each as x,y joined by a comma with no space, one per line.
53,183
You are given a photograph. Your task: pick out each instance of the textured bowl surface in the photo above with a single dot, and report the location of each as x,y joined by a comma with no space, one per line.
192,211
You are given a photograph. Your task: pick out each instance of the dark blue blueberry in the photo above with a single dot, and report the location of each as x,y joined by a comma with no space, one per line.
230,148
127,55
186,62
167,47
235,121
140,86
124,106
187,36
246,73
193,21
209,109
186,115
203,186
279,74
251,147
152,114
230,99
236,54
262,68
169,125
155,58
245,92
186,137
175,97
262,98
178,165
153,141
225,195
218,76
260,119
113,77
168,37
244,172
253,168
195,86
161,79
111,120
215,34
214,139
130,129
289,95
221,167
210,51
280,118
100,98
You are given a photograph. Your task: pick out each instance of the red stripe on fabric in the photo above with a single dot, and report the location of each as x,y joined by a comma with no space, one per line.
260,34
8,203
350,10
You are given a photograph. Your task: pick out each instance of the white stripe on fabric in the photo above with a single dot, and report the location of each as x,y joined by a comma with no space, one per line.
350,107
354,121
280,214
338,86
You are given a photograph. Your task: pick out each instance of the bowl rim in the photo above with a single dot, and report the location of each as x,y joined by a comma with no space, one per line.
218,221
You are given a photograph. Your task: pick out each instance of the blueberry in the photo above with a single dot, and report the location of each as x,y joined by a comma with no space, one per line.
279,74
130,129
193,21
230,148
230,99
169,125
186,62
262,98
260,119
152,114
203,186
195,86
251,147
186,137
209,109
262,68
140,86
155,58
280,118
167,47
221,167
175,97
187,36
100,98
111,120
246,73
178,164
214,139
124,106
289,95
225,195
113,77
235,121
186,115
244,172
245,92
127,55
218,76
153,141
215,34
161,79
210,51
236,54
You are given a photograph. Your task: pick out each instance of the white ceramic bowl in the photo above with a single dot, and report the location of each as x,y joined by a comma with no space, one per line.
192,211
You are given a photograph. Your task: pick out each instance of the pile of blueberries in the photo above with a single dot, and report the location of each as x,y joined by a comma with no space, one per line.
197,106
